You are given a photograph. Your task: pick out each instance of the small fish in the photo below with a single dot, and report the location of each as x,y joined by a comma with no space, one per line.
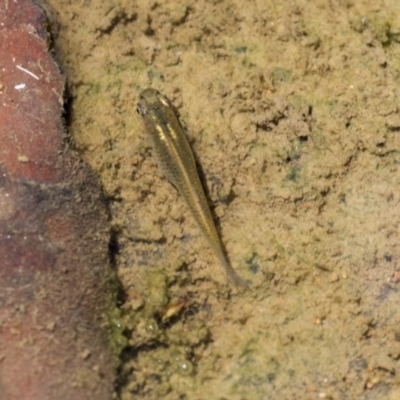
175,159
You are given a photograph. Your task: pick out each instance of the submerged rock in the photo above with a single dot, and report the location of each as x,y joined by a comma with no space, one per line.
54,271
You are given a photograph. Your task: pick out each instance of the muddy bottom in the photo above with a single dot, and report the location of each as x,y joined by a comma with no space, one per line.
292,111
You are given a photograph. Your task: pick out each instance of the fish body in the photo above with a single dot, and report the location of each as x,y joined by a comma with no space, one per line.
175,159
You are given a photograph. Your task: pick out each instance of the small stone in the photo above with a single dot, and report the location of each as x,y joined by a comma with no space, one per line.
85,354
23,158
393,122
51,326
334,277
395,277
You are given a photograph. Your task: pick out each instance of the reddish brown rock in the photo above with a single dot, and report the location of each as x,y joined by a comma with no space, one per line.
54,273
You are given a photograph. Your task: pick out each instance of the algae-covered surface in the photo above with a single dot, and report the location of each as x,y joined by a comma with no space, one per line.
292,111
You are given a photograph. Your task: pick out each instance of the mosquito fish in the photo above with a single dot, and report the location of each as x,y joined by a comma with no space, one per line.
175,159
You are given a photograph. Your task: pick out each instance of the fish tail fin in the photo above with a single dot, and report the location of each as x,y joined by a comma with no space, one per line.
232,274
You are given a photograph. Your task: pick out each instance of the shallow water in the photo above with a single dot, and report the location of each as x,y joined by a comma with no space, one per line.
292,113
